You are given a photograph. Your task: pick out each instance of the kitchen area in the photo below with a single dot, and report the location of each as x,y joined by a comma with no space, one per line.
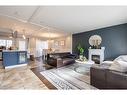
16,50
13,50
10,55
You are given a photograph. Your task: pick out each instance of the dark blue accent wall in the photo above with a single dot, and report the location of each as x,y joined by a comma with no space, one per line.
114,39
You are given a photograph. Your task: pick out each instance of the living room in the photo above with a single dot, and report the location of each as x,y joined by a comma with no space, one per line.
63,47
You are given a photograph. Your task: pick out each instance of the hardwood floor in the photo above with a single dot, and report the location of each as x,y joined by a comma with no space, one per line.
38,69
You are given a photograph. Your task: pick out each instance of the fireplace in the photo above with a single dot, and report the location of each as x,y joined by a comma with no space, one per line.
96,55
96,59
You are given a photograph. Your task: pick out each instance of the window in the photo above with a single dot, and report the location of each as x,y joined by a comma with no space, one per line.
2,42
22,45
44,45
40,45
6,43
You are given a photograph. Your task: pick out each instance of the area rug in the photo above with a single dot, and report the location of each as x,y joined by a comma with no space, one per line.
68,78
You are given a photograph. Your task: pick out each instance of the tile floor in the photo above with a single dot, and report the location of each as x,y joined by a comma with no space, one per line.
22,77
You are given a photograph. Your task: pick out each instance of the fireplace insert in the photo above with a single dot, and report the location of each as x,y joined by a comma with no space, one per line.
96,59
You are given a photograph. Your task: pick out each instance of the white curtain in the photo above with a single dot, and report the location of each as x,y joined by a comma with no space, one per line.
22,45
40,45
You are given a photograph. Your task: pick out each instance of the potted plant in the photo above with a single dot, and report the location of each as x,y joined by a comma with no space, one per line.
81,51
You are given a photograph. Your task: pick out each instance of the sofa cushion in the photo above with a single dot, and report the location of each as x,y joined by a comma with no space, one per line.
107,62
68,61
101,66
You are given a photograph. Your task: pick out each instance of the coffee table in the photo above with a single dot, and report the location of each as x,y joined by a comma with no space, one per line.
84,67
85,62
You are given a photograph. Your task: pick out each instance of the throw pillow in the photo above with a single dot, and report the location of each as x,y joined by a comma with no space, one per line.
121,58
120,66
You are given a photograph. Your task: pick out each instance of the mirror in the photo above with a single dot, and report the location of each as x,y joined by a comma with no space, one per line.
95,40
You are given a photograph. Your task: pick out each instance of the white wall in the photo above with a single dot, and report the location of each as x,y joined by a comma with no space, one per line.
65,48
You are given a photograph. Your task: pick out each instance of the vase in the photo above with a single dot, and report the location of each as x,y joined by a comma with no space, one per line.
81,57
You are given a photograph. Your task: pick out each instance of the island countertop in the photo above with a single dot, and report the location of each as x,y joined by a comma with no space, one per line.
14,58
13,51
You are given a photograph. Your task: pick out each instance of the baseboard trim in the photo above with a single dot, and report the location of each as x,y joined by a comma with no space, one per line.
14,66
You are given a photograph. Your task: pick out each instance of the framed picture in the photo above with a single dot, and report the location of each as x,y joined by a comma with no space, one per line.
56,43
62,43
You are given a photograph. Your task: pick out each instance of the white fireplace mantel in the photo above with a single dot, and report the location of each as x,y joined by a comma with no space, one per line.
99,52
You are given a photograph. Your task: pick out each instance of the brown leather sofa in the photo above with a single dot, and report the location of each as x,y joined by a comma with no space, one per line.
103,78
60,59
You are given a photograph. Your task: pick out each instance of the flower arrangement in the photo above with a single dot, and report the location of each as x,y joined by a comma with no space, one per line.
81,49
81,52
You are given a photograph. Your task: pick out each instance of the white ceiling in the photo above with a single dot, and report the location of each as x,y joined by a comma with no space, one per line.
60,20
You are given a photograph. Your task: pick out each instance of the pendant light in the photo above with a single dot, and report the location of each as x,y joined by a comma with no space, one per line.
24,37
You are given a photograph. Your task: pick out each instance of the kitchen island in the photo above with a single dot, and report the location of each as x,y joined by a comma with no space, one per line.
14,58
